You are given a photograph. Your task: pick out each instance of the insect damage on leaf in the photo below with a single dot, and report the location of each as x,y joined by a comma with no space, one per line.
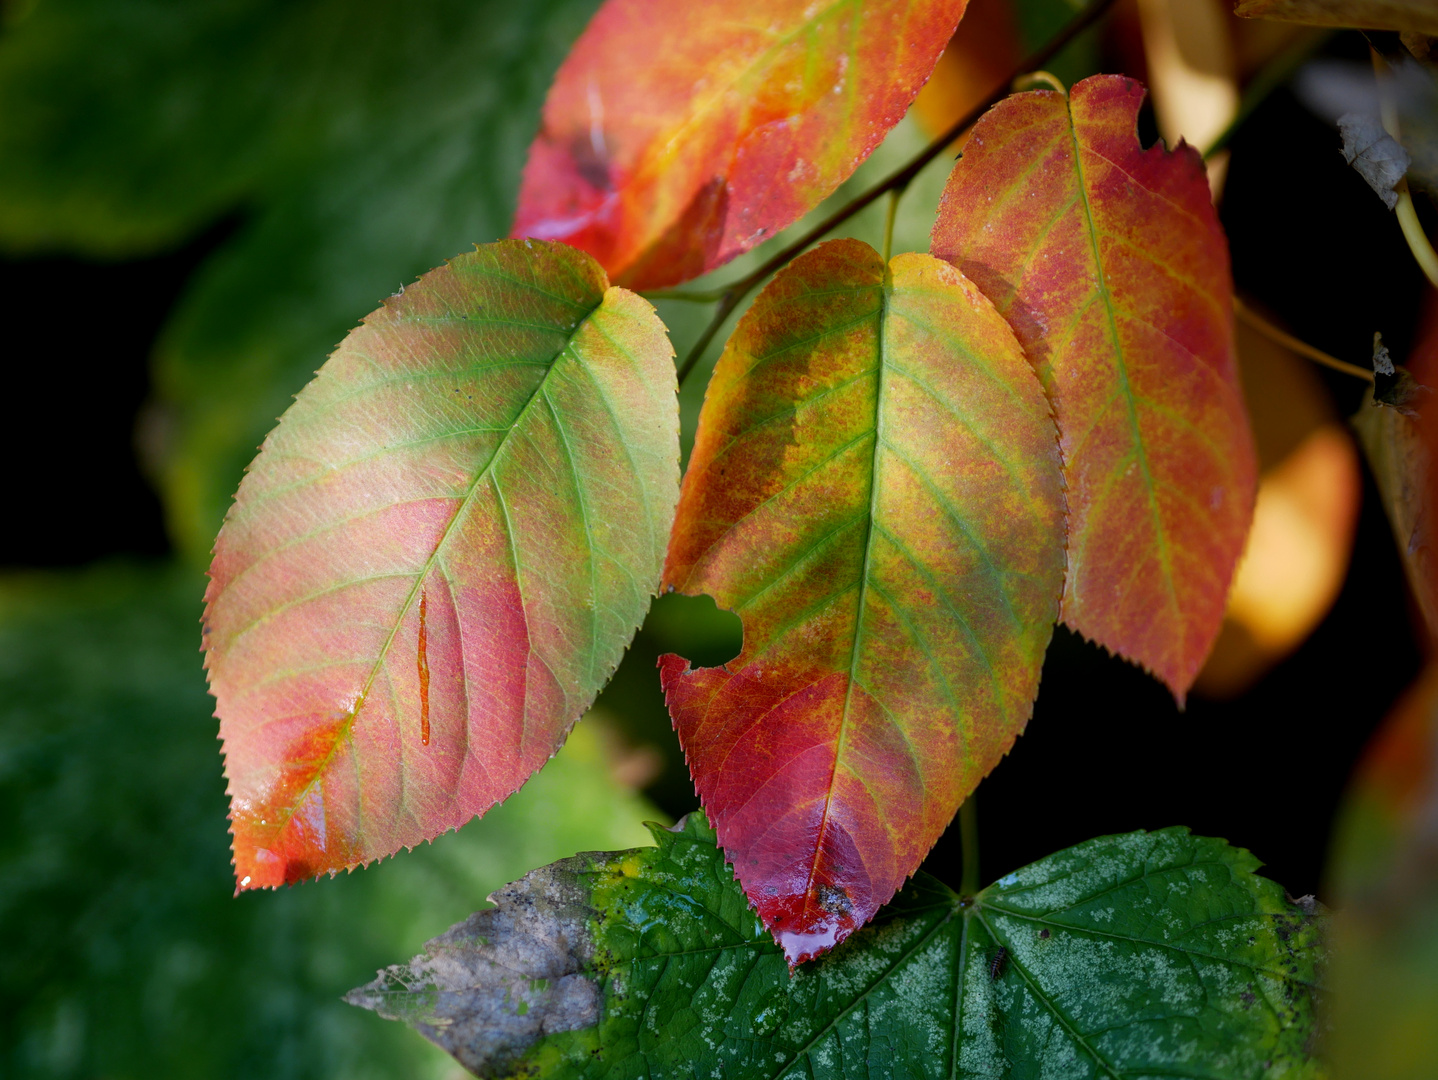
1143,954
438,557
734,119
1374,154
1109,262
875,491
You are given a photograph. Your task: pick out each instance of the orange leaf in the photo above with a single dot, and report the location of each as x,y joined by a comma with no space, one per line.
875,491
678,135
1109,262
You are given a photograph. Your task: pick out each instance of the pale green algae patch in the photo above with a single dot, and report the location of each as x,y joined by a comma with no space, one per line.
1145,954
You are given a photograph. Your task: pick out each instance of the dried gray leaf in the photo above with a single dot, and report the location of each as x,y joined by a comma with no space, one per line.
1382,360
1376,155
491,986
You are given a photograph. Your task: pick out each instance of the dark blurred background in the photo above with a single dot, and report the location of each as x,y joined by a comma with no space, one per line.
139,365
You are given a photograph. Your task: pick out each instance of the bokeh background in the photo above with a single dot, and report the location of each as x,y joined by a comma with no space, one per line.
199,198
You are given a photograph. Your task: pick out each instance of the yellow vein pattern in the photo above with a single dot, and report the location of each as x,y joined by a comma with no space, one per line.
1110,264
438,557
875,489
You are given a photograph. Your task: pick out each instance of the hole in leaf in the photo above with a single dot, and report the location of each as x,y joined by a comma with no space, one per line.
696,628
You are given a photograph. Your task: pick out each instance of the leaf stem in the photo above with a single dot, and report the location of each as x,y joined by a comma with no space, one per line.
1033,79
969,845
894,197
1418,241
897,180
1302,348
696,296
1413,232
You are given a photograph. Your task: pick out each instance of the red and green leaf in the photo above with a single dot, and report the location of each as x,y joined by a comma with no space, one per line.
438,557
678,135
875,489
1109,262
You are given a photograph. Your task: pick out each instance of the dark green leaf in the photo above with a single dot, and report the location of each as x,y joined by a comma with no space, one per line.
1144,955
363,142
123,950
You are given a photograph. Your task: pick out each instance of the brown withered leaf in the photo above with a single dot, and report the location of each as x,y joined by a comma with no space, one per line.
1420,15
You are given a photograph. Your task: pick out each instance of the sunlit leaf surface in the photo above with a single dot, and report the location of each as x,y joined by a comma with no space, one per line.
677,136
123,951
875,491
1144,955
1109,262
438,557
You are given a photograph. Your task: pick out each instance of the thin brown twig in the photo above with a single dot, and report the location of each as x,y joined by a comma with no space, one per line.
895,181
1302,348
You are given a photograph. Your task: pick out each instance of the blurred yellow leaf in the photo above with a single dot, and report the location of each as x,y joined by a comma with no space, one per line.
1303,523
1191,72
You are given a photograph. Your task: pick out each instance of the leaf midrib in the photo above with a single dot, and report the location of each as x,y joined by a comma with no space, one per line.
1121,366
885,300
343,734
1064,1020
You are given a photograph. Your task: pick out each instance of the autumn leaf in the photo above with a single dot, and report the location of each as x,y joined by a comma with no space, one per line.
1419,15
1110,264
1397,426
1151,954
1401,460
875,490
1383,870
438,557
731,120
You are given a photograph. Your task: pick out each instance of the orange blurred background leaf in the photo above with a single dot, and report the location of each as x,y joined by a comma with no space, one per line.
732,120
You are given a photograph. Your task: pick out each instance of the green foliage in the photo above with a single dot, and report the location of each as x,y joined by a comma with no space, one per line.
123,952
359,145
1148,954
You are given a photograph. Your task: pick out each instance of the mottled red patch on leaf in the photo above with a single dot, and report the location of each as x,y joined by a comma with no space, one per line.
875,491
438,557
678,135
1109,262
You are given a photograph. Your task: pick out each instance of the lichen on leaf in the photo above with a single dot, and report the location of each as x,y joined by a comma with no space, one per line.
438,557
1146,954
1109,262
